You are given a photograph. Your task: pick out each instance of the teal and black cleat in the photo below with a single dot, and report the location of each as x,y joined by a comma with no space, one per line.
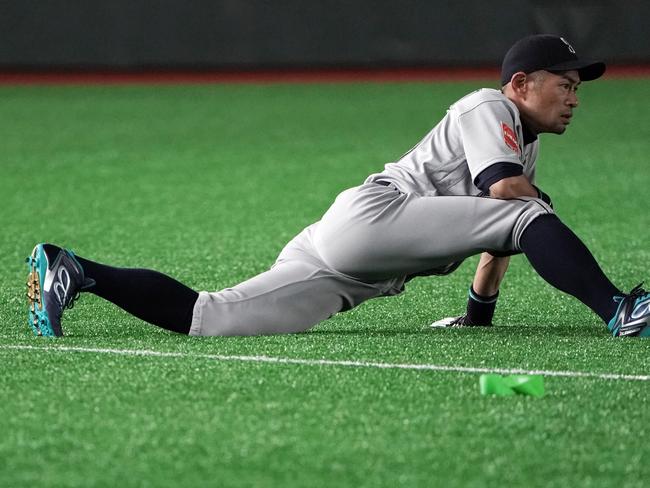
632,318
55,280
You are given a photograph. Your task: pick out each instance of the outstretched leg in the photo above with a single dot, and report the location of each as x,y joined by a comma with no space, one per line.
57,277
293,296
149,295
297,293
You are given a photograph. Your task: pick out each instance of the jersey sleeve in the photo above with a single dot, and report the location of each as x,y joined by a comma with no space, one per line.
498,171
531,152
489,136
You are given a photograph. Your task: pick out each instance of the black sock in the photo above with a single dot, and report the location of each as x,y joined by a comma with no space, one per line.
480,309
560,257
149,295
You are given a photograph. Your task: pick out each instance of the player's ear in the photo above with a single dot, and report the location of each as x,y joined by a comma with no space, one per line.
518,81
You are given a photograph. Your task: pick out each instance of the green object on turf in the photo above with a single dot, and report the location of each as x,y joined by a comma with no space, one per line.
522,384
526,384
494,384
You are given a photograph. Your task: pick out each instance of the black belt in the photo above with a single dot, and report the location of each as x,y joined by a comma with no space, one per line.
388,183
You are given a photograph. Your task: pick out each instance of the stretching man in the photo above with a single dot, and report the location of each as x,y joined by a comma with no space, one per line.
467,188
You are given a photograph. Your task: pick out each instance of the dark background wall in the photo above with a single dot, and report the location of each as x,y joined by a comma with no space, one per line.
248,34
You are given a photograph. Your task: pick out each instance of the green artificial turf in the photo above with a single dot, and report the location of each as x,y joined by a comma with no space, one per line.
207,183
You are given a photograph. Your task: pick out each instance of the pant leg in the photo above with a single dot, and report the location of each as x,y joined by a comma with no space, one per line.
374,232
298,292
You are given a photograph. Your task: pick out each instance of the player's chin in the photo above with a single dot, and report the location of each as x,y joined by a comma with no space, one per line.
559,129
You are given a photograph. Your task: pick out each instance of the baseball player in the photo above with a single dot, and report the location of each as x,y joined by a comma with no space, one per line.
467,188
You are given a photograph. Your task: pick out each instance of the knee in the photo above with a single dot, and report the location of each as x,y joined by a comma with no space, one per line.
532,209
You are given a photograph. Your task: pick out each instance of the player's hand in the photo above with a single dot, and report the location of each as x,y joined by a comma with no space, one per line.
513,187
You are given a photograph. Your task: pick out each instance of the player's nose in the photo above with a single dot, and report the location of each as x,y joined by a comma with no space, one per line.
572,101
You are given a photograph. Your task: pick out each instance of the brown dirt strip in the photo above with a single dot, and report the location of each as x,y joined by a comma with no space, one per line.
277,76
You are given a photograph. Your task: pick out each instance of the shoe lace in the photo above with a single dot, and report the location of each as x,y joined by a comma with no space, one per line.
88,283
462,320
638,291
70,304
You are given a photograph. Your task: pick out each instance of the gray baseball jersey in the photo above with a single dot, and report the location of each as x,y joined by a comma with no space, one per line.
481,129
420,215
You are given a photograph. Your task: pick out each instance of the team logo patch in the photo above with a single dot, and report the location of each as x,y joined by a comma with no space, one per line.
571,50
510,137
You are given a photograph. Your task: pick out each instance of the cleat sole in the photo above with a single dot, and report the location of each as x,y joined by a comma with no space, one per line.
38,319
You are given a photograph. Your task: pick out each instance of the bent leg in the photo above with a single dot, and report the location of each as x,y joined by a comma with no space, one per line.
374,232
560,257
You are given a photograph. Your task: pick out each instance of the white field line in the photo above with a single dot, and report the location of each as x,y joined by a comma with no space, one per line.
331,362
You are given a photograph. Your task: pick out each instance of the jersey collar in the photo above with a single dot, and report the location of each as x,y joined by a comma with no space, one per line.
529,136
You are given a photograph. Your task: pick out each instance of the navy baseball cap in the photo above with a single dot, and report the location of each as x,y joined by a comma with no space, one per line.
549,53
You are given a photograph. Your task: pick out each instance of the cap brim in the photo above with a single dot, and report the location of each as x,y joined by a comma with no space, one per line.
588,70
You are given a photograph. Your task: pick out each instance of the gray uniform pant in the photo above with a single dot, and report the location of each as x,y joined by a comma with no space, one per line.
366,245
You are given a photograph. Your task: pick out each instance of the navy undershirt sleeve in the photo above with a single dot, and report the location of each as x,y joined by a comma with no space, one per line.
498,171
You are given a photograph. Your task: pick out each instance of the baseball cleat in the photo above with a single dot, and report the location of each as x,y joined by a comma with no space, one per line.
457,322
55,280
632,318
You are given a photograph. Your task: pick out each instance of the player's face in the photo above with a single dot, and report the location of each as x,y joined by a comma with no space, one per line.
551,100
